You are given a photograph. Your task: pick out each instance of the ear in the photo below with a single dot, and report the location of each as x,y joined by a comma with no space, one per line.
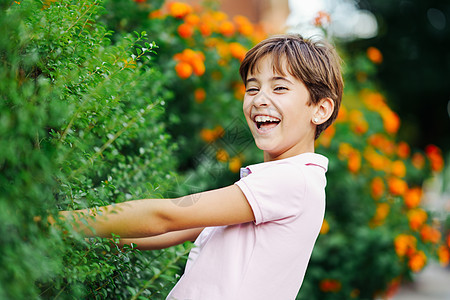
323,111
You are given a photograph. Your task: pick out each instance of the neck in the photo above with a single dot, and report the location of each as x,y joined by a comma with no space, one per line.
269,156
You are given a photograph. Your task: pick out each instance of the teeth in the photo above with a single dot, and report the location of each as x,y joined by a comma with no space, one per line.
266,119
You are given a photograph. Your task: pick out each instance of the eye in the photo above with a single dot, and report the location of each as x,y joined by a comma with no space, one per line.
252,90
280,88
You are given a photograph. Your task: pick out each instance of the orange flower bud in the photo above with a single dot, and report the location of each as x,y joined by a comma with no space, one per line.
321,19
374,55
207,135
330,285
199,95
235,164
403,150
222,155
325,227
156,14
418,161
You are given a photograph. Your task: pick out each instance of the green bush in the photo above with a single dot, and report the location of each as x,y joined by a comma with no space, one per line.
81,125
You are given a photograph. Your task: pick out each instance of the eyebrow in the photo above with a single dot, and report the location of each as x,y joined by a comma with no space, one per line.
275,78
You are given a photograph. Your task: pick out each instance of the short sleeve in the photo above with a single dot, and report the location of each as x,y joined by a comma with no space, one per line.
274,193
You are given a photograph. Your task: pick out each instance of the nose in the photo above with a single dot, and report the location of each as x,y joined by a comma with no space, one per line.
261,100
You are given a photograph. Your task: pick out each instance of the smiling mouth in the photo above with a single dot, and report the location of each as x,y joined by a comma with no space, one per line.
266,122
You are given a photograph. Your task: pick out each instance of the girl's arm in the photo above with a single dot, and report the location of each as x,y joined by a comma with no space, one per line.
150,217
164,240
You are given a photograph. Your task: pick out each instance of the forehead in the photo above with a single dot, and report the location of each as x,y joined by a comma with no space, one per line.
277,64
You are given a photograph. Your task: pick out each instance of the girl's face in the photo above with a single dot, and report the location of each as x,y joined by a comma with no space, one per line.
277,112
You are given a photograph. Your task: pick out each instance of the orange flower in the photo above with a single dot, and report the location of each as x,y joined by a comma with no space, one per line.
374,55
405,244
358,124
376,160
179,9
377,188
244,26
237,51
322,19
397,186
403,150
205,29
344,150
156,14
373,100
239,90
207,135
327,136
235,164
434,155
325,227
185,30
417,261
330,285
227,28
199,95
418,161
222,155
381,213
430,234
444,255
412,197
398,168
194,59
192,19
354,161
416,218
198,67
210,135
183,69
342,114
391,121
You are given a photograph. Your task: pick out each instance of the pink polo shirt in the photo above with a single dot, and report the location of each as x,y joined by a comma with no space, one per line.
265,259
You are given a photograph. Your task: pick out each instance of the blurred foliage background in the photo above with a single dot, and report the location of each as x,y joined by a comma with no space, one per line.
106,101
414,36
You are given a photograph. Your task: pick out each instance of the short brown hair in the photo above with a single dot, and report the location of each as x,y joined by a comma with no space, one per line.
315,63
